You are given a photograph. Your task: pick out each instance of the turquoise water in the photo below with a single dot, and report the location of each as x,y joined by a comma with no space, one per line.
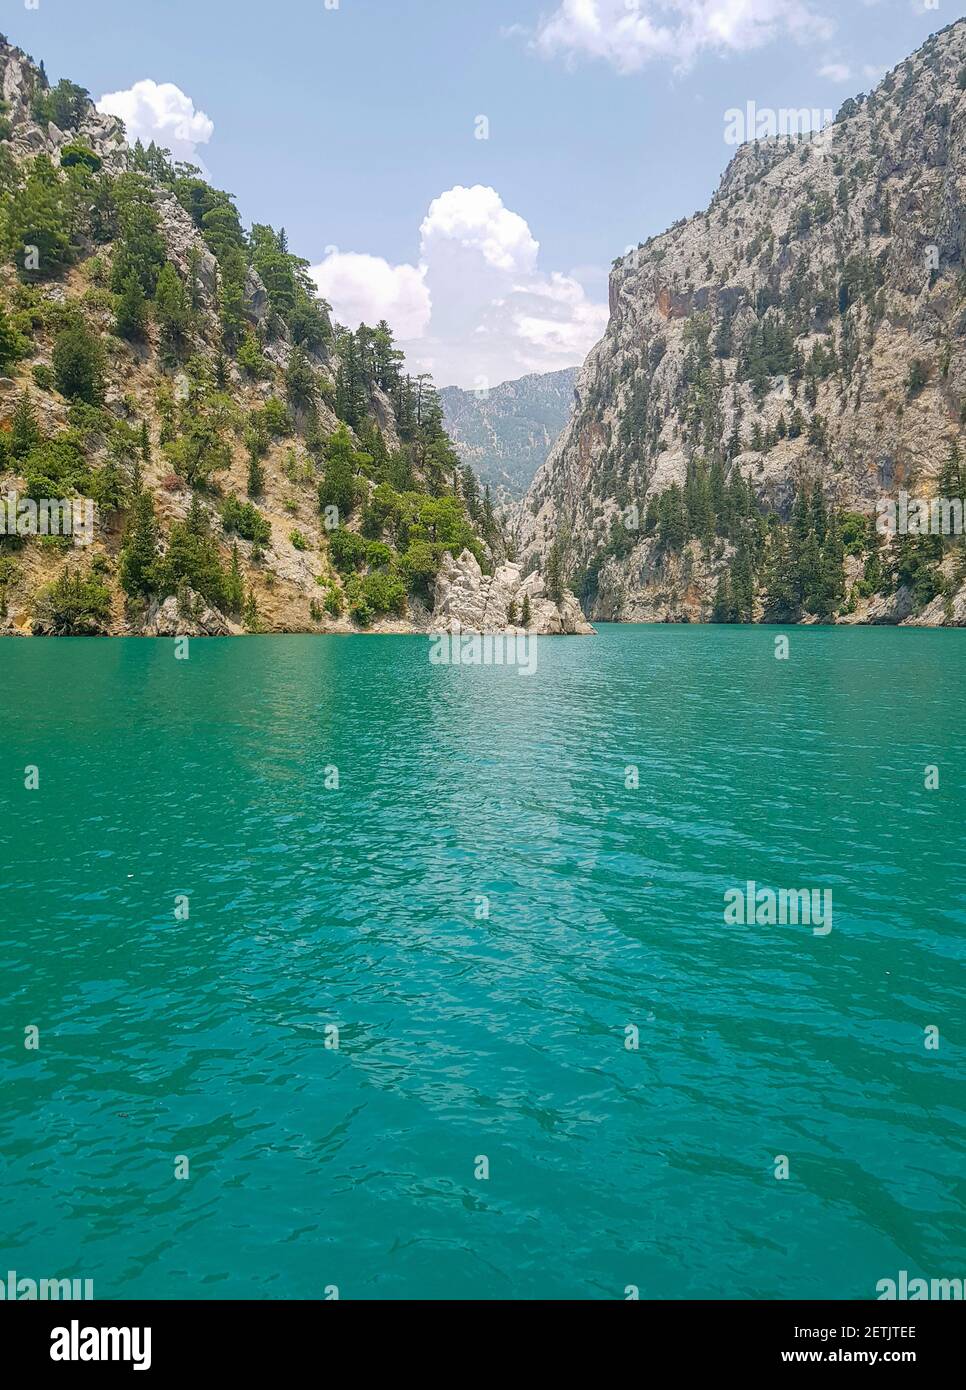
461,1035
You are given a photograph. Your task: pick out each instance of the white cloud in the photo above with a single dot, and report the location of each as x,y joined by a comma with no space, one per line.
842,72
161,112
477,309
476,219
630,33
365,289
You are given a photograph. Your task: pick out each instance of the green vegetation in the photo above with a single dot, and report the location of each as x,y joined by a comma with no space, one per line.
192,559
245,520
215,367
76,605
79,362
13,344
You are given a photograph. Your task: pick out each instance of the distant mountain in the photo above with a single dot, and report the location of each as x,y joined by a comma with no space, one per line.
506,434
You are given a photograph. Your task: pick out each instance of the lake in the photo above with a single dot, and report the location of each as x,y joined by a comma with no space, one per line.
420,978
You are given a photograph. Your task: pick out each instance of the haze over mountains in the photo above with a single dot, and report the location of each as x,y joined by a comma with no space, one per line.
505,433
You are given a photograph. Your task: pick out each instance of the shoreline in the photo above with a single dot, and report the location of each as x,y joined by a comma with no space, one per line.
505,633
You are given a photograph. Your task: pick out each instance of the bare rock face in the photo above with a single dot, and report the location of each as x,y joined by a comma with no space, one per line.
185,245
186,616
941,612
467,600
848,246
104,134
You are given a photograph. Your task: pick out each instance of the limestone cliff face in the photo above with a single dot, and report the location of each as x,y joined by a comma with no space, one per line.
809,326
28,137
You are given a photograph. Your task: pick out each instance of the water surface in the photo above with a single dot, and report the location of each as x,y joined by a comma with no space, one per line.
465,791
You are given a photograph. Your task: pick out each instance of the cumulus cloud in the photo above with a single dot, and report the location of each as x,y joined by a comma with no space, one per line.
476,220
631,33
477,309
365,289
161,112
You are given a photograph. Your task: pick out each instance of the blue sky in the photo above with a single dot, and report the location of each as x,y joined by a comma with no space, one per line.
355,126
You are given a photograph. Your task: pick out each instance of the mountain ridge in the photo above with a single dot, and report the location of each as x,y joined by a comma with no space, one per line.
793,338
506,432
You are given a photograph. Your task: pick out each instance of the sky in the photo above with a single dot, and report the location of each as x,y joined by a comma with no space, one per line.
466,169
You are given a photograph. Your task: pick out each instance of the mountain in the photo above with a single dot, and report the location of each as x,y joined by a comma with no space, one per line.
172,383
775,369
506,433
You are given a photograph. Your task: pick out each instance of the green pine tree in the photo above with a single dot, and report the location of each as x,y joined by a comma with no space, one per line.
172,312
13,345
139,553
235,587
24,431
132,309
250,612
724,608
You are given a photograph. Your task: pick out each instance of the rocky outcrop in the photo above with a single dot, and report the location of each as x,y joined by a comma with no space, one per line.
185,615
18,84
467,600
289,575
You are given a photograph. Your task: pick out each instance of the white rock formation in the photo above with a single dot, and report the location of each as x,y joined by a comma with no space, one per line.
467,600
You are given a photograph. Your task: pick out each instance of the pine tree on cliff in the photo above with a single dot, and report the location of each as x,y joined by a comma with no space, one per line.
300,382
172,312
488,526
250,612
140,551
526,615
554,574
742,585
13,345
132,309
723,611
829,593
780,597
235,587
24,431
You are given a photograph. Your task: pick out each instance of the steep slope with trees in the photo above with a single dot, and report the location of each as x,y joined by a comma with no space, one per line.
772,369
254,466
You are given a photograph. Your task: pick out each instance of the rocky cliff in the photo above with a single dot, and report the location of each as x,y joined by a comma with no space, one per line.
253,466
798,344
